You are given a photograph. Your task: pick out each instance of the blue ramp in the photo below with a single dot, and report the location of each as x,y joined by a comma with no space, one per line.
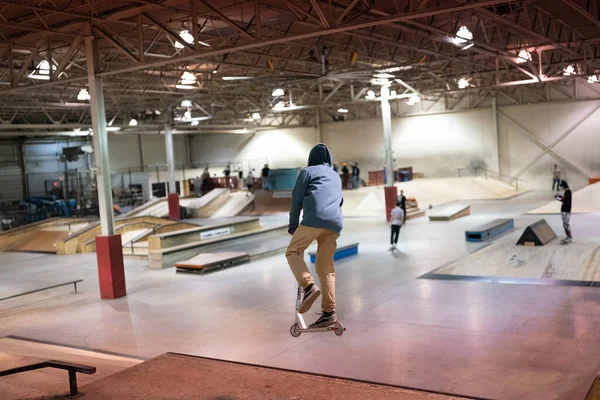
489,230
341,252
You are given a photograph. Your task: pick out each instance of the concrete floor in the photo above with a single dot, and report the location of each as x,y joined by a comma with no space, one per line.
490,340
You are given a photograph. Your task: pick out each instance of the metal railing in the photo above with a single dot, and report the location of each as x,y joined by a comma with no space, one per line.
74,283
484,172
71,368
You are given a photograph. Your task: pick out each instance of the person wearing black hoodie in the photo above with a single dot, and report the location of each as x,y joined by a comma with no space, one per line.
318,192
565,210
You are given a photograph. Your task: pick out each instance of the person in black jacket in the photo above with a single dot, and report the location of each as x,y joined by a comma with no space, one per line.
567,200
402,201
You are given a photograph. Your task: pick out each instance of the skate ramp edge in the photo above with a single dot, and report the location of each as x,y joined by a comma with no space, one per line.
165,377
169,256
450,212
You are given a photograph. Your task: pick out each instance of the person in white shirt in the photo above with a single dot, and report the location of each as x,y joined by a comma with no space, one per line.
397,220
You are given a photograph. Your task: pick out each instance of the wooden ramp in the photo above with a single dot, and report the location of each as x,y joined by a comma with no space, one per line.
207,261
450,213
42,242
176,376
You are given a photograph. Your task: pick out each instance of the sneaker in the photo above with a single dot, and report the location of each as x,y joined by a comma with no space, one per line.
311,293
325,320
391,247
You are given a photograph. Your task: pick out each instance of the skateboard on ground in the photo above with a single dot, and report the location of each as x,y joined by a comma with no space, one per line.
300,327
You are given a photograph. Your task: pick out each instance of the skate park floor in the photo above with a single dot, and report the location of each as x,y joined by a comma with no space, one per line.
476,339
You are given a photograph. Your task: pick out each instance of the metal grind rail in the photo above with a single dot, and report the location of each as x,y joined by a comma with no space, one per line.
74,283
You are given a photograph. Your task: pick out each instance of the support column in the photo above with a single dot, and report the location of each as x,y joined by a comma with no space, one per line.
174,213
318,126
109,250
391,192
496,130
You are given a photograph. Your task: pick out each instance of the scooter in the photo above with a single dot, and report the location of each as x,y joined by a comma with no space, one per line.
300,326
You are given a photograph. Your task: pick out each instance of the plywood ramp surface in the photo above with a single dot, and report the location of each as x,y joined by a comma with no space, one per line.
586,200
209,259
578,261
15,352
42,241
235,205
449,213
266,203
173,376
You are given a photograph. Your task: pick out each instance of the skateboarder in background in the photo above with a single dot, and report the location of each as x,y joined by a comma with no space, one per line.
250,183
265,177
318,192
565,210
555,178
402,201
397,221
355,176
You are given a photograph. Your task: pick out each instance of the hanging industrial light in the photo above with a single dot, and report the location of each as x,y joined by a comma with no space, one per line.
524,56
463,35
83,95
278,92
42,71
463,83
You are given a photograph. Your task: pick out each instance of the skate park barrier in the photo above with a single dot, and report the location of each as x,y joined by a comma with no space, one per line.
450,213
169,256
341,252
184,236
210,261
537,234
490,230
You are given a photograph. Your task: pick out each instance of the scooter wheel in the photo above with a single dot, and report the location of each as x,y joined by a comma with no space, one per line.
295,330
339,329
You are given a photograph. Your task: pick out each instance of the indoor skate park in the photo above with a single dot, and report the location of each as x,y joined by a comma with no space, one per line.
149,150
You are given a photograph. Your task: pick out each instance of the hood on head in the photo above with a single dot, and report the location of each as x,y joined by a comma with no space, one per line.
320,154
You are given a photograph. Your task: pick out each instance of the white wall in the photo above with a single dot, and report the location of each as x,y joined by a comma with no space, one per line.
578,153
434,144
280,148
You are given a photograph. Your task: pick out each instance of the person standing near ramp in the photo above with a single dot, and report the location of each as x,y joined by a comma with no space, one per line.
565,210
318,192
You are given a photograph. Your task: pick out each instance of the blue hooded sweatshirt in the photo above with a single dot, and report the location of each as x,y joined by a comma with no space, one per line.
318,192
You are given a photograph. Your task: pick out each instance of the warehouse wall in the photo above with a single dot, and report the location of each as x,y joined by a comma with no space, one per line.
435,144
526,130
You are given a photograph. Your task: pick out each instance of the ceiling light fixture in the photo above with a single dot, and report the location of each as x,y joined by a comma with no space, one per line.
342,110
187,37
277,92
524,56
255,116
133,122
463,83
187,81
413,99
83,95
279,106
186,103
195,123
42,71
463,35
593,79
570,70
370,95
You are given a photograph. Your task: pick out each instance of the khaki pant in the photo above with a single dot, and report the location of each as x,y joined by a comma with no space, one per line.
326,240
